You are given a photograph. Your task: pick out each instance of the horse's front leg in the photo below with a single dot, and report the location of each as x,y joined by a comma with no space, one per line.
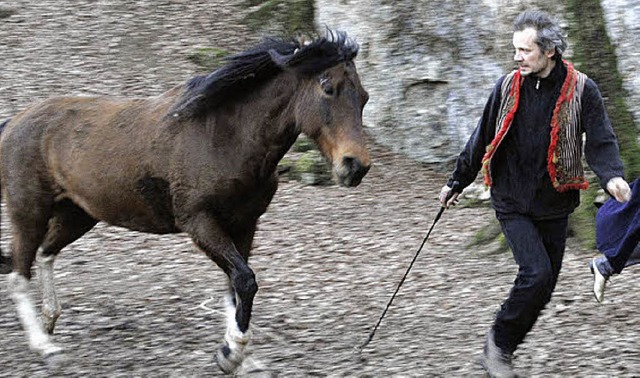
220,248
232,354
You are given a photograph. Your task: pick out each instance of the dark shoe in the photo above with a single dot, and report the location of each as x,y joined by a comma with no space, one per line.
599,281
495,361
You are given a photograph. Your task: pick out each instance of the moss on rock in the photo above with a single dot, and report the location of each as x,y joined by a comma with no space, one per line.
303,144
208,58
312,169
287,16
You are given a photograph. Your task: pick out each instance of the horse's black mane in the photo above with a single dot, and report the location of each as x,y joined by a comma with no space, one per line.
250,68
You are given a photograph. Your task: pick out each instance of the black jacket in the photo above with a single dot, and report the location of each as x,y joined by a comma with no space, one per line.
521,182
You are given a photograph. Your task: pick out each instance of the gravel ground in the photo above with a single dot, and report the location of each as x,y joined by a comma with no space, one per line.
327,259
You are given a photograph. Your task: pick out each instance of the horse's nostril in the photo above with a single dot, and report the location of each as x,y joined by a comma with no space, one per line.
354,166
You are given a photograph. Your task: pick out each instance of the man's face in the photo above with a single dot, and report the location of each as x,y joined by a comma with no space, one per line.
530,58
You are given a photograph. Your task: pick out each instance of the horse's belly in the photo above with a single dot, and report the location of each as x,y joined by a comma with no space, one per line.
129,212
141,217
143,225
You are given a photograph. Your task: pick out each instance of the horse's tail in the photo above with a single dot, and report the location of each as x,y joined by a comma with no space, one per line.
5,262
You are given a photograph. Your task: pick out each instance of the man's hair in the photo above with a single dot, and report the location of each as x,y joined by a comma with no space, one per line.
549,32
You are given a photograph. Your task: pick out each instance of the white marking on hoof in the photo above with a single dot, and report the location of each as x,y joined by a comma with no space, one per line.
236,339
228,361
232,353
51,350
229,309
38,339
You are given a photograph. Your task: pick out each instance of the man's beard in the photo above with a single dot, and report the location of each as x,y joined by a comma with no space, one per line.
531,72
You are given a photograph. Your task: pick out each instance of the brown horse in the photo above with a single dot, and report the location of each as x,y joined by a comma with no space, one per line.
200,159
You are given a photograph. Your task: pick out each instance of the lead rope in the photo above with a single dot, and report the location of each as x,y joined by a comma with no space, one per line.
454,189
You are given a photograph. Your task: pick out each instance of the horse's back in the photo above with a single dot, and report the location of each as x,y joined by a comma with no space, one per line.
95,151
68,130
57,116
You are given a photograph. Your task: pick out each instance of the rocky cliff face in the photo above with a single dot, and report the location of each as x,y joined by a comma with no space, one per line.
429,65
623,26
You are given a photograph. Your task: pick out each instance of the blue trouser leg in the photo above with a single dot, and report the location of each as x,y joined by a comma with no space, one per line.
634,258
627,254
604,266
538,248
610,264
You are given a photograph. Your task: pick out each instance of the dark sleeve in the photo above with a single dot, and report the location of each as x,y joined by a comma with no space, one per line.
470,159
601,147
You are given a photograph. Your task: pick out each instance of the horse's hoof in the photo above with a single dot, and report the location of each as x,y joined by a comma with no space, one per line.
252,368
228,361
55,361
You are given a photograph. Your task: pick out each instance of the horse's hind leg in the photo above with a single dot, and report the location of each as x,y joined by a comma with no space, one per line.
38,339
29,220
69,223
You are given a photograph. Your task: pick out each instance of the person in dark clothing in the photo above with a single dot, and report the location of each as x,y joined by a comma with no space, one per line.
617,237
528,145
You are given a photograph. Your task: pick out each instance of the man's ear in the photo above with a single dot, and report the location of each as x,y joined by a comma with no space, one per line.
550,53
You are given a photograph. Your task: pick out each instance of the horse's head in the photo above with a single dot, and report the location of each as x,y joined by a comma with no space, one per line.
326,94
330,113
329,104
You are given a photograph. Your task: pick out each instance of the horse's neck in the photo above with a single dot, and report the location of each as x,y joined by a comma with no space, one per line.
275,134
268,127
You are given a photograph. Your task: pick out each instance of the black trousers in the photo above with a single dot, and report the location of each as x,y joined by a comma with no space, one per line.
538,248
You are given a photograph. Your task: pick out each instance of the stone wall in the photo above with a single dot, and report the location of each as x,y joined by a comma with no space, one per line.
623,27
430,65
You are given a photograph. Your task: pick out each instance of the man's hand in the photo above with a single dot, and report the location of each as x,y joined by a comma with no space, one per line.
444,193
619,189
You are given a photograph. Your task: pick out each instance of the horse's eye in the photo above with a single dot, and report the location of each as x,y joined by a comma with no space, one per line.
327,87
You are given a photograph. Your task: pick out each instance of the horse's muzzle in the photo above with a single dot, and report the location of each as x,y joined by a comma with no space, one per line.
351,171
